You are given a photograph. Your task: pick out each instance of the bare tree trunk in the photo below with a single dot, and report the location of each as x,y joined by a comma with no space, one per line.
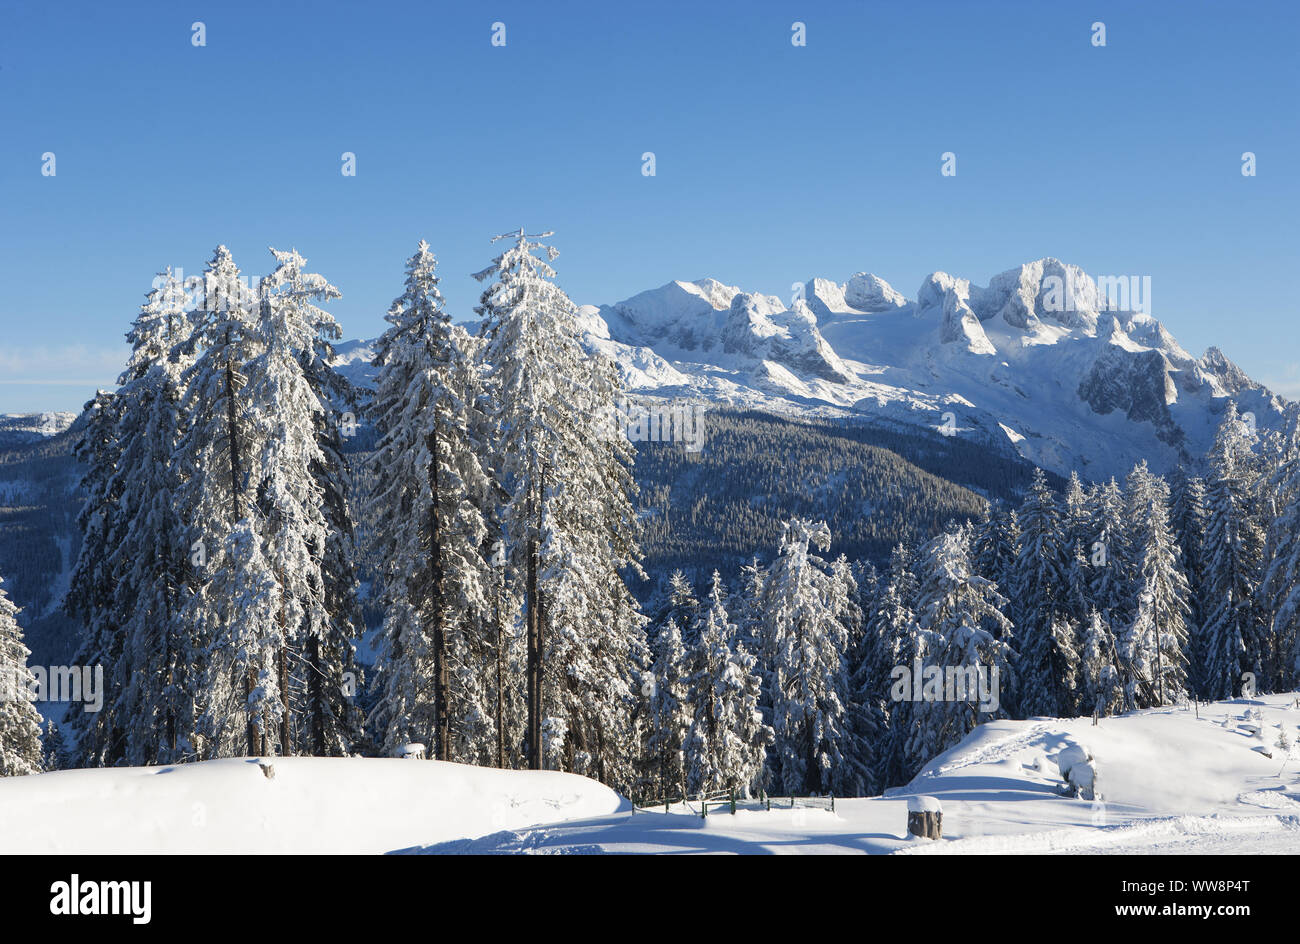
501,689
534,663
535,650
282,658
316,697
442,734
236,510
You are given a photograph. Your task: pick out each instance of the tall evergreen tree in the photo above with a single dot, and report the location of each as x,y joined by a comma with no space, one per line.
804,637
1187,517
20,724
892,638
963,627
1235,623
429,524
727,741
1108,554
152,677
1100,685
224,583
1048,651
669,712
291,464
1156,643
571,528
98,738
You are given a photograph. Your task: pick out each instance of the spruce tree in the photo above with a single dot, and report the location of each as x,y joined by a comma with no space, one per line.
669,712
20,724
1048,651
568,515
1162,590
427,515
1235,623
1101,689
726,744
962,627
803,641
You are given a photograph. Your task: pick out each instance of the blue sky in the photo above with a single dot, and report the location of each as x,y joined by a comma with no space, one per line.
774,163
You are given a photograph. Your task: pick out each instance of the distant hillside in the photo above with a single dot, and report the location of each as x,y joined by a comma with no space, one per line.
873,485
39,538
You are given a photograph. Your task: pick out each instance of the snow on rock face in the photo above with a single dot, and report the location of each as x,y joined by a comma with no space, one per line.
1136,383
1046,290
18,428
789,338
313,805
1227,378
1071,384
826,298
949,298
686,315
870,293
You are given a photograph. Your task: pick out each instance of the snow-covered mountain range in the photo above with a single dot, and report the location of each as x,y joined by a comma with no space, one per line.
19,428
1041,359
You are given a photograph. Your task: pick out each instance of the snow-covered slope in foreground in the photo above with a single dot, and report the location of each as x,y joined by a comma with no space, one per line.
311,805
1170,782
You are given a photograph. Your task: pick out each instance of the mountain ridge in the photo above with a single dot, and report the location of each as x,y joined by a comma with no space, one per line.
1073,371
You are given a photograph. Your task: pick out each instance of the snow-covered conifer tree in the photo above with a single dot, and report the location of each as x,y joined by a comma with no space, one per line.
726,744
20,724
570,524
1108,554
963,627
1236,624
803,644
98,739
1048,652
669,712
427,513
1187,517
153,675
214,457
1101,690
891,638
1161,585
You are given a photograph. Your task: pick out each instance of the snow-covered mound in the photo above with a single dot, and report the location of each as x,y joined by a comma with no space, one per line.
310,805
1166,780
1058,365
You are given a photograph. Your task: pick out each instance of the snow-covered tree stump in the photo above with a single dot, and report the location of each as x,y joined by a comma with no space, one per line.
924,817
1079,771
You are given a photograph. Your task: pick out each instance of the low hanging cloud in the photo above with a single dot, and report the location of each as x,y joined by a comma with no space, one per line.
70,365
42,378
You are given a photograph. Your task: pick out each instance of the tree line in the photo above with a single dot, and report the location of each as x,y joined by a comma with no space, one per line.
219,577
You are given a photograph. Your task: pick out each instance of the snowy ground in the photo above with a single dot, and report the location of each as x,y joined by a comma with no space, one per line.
312,805
1170,783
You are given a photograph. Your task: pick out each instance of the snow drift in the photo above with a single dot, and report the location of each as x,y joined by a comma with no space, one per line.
310,805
